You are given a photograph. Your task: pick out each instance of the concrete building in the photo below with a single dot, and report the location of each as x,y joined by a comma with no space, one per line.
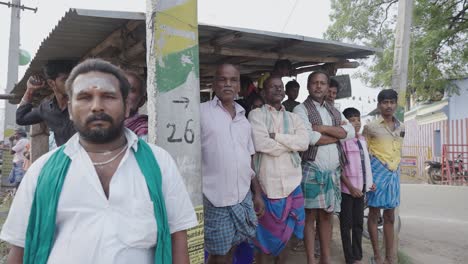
430,126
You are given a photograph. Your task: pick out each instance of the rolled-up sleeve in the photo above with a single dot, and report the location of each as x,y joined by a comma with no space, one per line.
314,136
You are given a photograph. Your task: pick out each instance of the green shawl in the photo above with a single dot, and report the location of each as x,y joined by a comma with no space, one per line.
41,227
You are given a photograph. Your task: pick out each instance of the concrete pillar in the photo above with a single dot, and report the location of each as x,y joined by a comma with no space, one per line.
39,140
174,96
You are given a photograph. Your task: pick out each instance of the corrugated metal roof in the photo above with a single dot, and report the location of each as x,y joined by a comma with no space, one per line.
76,33
81,30
299,45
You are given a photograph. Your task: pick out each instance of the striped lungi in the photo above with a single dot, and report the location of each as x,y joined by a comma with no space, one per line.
387,183
283,218
322,189
228,226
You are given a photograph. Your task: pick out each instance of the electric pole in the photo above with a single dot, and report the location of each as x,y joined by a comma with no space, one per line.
400,70
13,60
174,97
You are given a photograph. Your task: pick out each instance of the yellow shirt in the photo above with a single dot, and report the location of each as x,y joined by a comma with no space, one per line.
384,143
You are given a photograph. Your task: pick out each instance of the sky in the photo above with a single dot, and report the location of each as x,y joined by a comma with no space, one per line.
302,17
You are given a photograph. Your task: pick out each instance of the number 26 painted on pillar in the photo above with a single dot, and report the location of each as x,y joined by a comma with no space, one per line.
189,136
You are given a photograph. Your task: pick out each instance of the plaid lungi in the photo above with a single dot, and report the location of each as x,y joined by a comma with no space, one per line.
387,183
322,189
228,226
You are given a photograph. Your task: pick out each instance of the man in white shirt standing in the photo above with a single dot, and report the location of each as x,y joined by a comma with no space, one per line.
104,196
278,135
227,147
321,163
17,172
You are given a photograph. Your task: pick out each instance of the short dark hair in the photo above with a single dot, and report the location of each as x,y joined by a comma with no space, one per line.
140,79
351,112
98,65
292,84
21,131
387,94
316,73
336,84
54,68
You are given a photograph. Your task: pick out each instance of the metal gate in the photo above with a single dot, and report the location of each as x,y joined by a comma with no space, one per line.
454,164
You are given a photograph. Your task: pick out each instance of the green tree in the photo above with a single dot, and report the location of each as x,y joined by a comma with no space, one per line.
439,46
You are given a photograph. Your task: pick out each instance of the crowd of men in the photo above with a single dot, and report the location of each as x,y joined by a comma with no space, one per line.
286,168
279,171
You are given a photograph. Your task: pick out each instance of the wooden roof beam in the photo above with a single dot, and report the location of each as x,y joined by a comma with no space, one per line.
235,60
286,44
207,49
241,66
115,39
219,41
134,51
338,65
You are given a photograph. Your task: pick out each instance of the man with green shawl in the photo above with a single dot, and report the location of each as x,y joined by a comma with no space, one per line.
105,196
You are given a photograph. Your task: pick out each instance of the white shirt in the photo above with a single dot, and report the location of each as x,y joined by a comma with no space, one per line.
277,174
93,229
19,149
327,157
227,147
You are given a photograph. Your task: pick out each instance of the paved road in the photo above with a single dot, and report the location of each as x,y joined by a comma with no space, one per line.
435,223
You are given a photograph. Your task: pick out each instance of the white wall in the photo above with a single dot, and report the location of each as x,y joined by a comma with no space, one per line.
458,106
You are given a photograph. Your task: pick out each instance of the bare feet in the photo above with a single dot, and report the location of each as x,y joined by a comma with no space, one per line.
377,260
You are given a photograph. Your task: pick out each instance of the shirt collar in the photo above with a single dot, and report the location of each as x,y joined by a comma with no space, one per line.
73,146
239,109
397,122
53,104
317,103
271,108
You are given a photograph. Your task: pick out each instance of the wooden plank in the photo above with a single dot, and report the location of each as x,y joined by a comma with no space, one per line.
208,49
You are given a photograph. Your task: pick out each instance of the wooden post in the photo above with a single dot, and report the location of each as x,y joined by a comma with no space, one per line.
174,97
39,140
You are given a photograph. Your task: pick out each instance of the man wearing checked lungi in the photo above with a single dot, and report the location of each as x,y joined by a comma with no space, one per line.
321,163
385,139
226,137
278,135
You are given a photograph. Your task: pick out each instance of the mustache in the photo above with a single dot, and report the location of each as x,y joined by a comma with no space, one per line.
227,88
99,117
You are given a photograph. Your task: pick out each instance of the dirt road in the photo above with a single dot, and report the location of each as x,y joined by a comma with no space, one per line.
434,223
